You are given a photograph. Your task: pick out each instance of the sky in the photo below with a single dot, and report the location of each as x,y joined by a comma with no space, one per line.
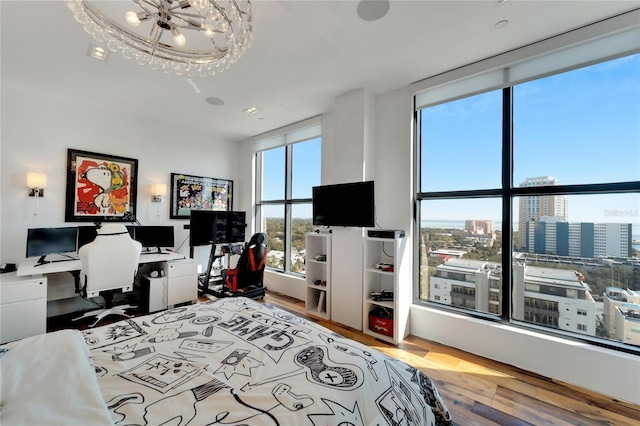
580,127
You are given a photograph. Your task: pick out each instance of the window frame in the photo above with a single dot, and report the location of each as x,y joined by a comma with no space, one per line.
482,81
287,138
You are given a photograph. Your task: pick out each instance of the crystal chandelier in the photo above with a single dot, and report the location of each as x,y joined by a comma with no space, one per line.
187,37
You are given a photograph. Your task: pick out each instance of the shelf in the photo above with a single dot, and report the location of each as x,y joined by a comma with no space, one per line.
390,251
385,303
381,272
379,336
318,244
318,287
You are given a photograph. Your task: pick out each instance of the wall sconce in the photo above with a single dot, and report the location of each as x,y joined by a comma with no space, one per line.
36,183
159,191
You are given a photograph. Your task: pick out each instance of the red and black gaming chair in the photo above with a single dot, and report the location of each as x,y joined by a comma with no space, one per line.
249,270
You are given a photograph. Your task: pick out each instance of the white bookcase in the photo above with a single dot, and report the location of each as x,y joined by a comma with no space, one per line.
388,251
318,274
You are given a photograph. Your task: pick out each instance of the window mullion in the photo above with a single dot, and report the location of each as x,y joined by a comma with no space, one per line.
507,205
287,206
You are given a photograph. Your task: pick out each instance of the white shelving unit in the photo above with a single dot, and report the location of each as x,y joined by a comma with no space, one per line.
318,297
389,251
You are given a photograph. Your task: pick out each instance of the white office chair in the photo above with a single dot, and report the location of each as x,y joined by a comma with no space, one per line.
109,263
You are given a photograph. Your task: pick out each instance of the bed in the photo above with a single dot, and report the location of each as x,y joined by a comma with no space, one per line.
232,361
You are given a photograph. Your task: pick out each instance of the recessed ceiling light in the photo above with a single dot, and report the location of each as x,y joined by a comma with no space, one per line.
214,101
250,110
500,25
372,10
98,52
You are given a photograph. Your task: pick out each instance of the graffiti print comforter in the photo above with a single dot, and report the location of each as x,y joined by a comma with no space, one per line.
239,362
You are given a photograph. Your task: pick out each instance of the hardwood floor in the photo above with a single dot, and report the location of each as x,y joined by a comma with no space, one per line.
479,391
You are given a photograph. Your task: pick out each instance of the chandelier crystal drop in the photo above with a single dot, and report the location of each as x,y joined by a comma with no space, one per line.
186,37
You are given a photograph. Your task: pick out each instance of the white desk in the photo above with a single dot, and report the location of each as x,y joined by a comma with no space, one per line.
59,263
180,278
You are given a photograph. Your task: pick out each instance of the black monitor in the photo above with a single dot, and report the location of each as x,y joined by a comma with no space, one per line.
154,236
45,241
201,227
216,227
87,234
237,225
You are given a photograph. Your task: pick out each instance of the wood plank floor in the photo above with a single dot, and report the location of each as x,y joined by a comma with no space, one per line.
479,391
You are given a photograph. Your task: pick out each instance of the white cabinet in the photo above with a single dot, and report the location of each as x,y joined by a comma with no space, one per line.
385,271
154,294
318,274
23,306
182,281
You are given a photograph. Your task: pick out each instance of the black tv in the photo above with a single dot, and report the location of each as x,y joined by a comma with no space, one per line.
216,227
154,236
344,204
45,241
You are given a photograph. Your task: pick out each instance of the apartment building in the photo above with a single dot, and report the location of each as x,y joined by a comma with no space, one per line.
613,299
628,323
466,283
549,297
549,235
534,207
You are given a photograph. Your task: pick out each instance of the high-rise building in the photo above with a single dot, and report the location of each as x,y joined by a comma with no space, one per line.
533,207
548,235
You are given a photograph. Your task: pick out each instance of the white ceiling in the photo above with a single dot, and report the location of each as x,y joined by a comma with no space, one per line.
303,55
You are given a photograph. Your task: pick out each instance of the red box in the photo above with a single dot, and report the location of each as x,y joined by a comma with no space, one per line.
381,321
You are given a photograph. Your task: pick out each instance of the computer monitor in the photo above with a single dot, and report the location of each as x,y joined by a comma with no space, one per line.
216,227
201,227
237,225
155,236
87,234
45,241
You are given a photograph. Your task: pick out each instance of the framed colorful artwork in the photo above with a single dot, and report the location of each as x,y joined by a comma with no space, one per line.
100,187
199,193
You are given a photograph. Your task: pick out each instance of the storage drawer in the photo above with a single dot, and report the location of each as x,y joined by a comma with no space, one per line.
182,289
180,268
22,319
23,290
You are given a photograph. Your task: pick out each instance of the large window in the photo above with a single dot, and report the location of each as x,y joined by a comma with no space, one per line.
286,175
529,201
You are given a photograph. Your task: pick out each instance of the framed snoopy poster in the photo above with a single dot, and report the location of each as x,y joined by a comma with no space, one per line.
100,187
199,193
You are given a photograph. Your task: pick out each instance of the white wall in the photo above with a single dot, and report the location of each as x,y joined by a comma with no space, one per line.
38,129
